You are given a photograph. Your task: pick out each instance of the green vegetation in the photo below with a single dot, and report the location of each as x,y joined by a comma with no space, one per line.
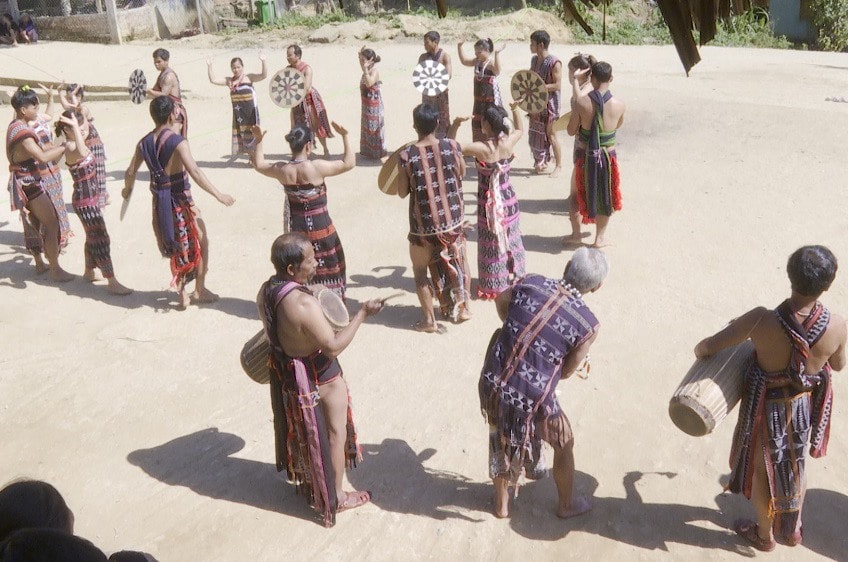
830,20
751,29
314,21
625,25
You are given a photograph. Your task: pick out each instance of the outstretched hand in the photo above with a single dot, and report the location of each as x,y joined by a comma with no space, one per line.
501,48
261,55
68,121
373,306
339,129
208,61
47,90
258,133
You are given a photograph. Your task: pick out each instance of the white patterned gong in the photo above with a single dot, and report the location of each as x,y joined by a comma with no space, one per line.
288,87
137,86
430,78
530,86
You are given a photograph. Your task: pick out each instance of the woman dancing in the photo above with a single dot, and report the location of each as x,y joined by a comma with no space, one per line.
306,199
372,138
500,250
487,67
83,167
244,100
311,112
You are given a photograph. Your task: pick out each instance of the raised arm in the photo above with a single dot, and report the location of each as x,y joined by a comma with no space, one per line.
259,163
329,168
63,98
734,333
79,142
518,126
454,127
48,111
466,61
199,177
211,74
496,67
262,75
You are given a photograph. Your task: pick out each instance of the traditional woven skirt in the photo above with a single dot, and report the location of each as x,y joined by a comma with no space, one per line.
312,113
372,138
448,268
309,215
85,200
245,116
95,145
540,142
51,182
442,103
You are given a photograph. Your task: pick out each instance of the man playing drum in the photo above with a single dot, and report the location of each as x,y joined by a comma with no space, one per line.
787,397
546,335
313,427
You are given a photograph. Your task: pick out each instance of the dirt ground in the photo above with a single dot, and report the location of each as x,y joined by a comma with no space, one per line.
141,416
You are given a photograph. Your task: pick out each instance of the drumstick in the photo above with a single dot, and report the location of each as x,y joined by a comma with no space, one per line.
392,296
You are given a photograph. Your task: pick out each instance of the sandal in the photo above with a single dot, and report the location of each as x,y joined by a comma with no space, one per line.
353,500
747,529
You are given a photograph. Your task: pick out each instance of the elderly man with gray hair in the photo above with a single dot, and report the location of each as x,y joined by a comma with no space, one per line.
546,335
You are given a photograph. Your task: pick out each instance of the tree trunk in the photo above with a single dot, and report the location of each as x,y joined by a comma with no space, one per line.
66,7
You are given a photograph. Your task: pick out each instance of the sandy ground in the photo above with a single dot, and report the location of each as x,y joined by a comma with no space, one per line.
142,417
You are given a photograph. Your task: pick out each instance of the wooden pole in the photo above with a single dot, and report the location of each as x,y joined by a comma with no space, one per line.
112,17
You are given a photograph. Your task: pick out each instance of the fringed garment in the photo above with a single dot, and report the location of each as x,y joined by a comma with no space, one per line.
598,180
440,101
86,203
540,142
486,93
788,414
372,137
307,205
546,321
436,216
95,145
25,185
500,250
245,115
312,112
51,181
178,100
174,222
301,437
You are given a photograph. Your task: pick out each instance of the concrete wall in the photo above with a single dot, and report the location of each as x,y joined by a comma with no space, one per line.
789,18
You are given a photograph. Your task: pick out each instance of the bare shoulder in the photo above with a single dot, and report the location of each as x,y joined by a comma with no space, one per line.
837,324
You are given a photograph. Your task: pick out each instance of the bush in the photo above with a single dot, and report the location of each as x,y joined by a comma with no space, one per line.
830,21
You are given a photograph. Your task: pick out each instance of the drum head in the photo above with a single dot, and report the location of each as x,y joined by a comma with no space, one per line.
531,87
562,122
333,307
137,86
387,179
430,78
287,87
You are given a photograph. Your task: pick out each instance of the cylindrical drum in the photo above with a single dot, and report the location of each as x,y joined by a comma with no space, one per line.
254,358
710,390
332,306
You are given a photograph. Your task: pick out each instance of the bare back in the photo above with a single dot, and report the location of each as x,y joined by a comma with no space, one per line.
774,348
298,173
613,113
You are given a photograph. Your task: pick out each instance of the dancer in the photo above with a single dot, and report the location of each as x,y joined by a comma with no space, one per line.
304,181
787,397
580,89
51,177
601,115
26,191
431,174
311,112
71,97
546,335
313,425
244,100
179,229
441,102
168,84
372,139
81,163
487,67
500,251
543,140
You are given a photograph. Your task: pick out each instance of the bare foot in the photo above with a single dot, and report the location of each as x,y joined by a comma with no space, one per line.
579,506
204,297
59,275
352,500
41,267
90,275
184,300
429,327
501,513
601,244
573,240
464,315
117,289
556,172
